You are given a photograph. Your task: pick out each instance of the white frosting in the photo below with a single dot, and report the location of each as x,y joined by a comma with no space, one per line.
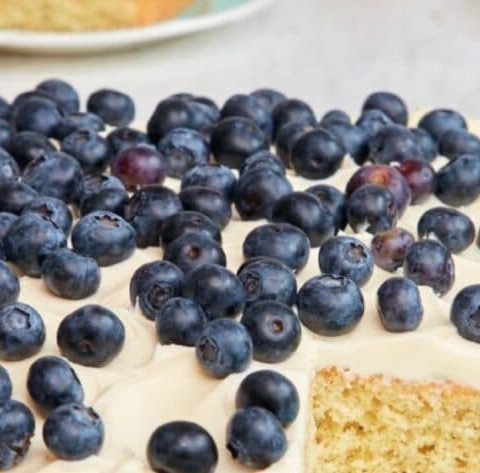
149,384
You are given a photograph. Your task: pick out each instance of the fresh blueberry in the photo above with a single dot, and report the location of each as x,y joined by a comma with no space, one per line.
334,116
9,284
105,237
95,183
390,247
5,386
348,257
263,159
427,145
280,241
24,97
255,438
147,210
286,138
37,114
206,113
464,313
6,221
182,447
5,109
78,121
15,196
124,137
330,305
73,432
269,98
399,305
70,275
334,201
54,209
390,104
17,426
439,121
224,347
26,146
292,110
353,138
62,93
110,200
112,106
420,177
6,134
9,170
456,142
180,321
429,263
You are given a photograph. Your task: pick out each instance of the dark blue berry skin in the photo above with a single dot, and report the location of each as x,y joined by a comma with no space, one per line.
27,146
234,139
188,221
112,106
147,210
247,106
70,275
15,196
318,154
438,122
105,237
255,438
371,122
30,240
183,149
335,116
224,347
427,145
305,211
464,313
54,209
372,208
182,447
456,142
458,182
334,201
9,284
91,150
286,138
449,226
420,177
216,289
37,114
212,176
55,175
22,331
4,109
429,263
330,305
78,121
73,432
91,336
6,221
272,391
9,169
269,98
390,104
292,110
390,247
275,330
5,385
263,159
180,321
267,279
62,93
209,202
23,97
110,200
280,241
399,305
353,138
95,183
17,426
258,190
6,133
393,143
347,257
124,137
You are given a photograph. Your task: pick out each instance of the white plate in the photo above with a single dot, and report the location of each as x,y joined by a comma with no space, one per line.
211,14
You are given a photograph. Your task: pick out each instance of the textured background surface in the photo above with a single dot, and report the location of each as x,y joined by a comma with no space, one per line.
329,52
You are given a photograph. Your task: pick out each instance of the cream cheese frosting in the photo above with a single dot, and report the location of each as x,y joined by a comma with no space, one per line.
149,384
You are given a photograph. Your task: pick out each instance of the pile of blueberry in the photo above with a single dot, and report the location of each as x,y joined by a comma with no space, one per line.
57,162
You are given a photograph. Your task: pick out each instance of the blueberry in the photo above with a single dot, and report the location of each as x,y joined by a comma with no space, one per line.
124,137
188,221
112,106
15,196
6,134
224,347
30,240
206,113
427,145
456,142
280,241
399,305
275,330
429,263
212,176
24,97
37,114
182,447
292,110
55,175
334,201
6,221
9,284
91,150
105,237
5,385
458,182
95,183
78,121
70,275
269,98
268,279
54,209
464,312
390,104
449,226
335,116
263,159
439,121
9,170
52,382
420,177
234,139
209,202
318,154
180,321
110,200
286,138
348,257
216,289
26,146
305,211
5,109
62,93
271,391
147,210
17,426
73,432
353,138
389,248
255,438
257,191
